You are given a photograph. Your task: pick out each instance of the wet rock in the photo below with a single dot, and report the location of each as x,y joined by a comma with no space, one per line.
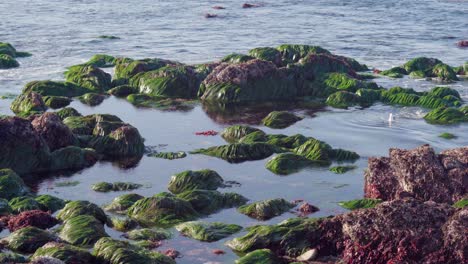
419,173
236,58
24,203
114,252
92,99
447,135
127,68
123,91
444,72
209,232
447,115
239,152
66,253
287,163
123,142
50,203
8,49
123,224
108,37
101,60
462,43
11,185
172,253
191,180
267,54
8,62
306,209
169,155
421,64
233,134
153,234
89,77
67,112
342,169
267,209
322,153
51,88
247,5
395,72
280,119
161,210
294,53
77,208
261,256
34,218
28,104
218,252
360,203
208,15
114,187
121,203
50,127
5,209
56,102
368,96
72,158
208,201
82,230
28,239
343,99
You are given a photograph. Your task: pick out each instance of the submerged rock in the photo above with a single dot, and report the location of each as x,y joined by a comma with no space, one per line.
267,209
191,180
161,210
169,155
116,186
82,230
280,119
209,232
342,169
28,239
66,253
239,152
8,62
287,163
208,201
419,173
112,251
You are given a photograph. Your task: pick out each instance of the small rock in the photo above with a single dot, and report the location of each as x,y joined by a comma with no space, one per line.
219,7
172,253
307,208
207,133
247,5
218,252
308,255
462,43
208,15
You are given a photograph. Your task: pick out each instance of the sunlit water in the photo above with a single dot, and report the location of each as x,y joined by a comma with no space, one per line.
379,33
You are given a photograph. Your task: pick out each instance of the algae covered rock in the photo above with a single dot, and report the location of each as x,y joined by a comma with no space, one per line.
267,54
82,230
50,203
121,203
233,134
8,49
8,62
209,232
169,155
92,99
315,150
112,251
67,112
12,258
421,64
208,201
239,152
11,185
123,142
101,60
67,253
360,203
161,210
259,256
56,102
461,203
288,142
28,104
342,169
287,163
444,72
51,88
123,91
395,72
447,115
337,81
5,208
294,52
190,180
90,77
447,135
126,68
28,239
236,58
343,99
116,186
280,119
77,208
24,203
267,209
151,234
72,158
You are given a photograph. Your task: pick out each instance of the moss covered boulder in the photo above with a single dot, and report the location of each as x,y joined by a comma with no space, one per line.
8,62
315,150
123,142
444,72
121,203
447,115
66,253
280,119
169,155
50,203
82,230
190,180
360,203
150,234
209,232
28,239
28,104
236,58
101,60
170,81
114,187
267,209
234,133
126,68
77,208
24,203
72,158
293,53
11,185
112,251
56,102
291,237
239,152
67,112
52,88
208,201
395,72
343,99
92,99
259,256
423,64
287,163
89,77
161,210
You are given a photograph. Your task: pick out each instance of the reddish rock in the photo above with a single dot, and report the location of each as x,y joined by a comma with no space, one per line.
462,43
306,209
208,15
172,253
207,133
36,218
376,71
51,128
247,5
418,173
218,252
241,73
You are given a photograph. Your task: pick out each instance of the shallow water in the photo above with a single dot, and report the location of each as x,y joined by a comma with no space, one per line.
379,33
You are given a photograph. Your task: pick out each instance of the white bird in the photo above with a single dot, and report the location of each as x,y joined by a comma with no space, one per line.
390,118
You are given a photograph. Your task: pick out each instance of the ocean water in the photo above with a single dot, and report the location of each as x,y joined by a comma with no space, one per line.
381,34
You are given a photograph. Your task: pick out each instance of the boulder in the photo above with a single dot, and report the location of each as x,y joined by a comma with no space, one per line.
50,127
267,209
121,203
8,62
28,239
82,230
67,253
239,152
52,88
191,180
11,185
28,104
280,119
90,77
208,232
